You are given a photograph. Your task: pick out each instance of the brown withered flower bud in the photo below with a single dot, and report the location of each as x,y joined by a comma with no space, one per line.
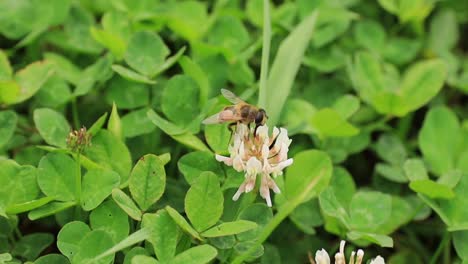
79,140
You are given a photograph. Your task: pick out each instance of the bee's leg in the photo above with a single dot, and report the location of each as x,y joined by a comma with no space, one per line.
255,130
274,141
231,128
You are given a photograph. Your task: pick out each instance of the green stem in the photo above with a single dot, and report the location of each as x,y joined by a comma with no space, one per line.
443,244
76,118
265,53
78,184
283,212
447,258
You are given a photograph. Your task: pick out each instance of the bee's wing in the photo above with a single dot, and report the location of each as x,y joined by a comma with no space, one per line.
221,117
231,96
214,119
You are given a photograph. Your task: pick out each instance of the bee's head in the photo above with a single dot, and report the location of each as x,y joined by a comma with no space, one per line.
261,117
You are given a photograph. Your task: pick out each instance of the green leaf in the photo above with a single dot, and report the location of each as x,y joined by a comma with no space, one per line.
109,217
176,132
52,259
98,124
31,78
218,137
421,82
229,33
164,233
147,181
126,203
189,19
191,141
144,260
133,252
49,209
166,126
370,34
127,94
196,255
204,201
182,223
131,75
402,213
115,43
346,105
114,124
251,249
284,68
451,178
136,123
391,172
390,148
369,209
91,245
63,67
52,126
400,50
343,185
306,216
111,153
146,52
130,240
194,70
191,165
18,184
171,60
415,170
308,176
443,31
296,116
69,238
54,93
30,246
28,206
439,139
332,207
9,91
332,22
99,71
460,242
97,185
432,189
180,100
258,213
6,71
56,176
382,240
229,228
329,123
8,120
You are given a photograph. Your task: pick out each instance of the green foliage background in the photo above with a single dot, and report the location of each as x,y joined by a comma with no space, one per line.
373,94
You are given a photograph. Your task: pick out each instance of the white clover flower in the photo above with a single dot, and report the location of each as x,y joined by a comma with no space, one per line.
258,154
321,257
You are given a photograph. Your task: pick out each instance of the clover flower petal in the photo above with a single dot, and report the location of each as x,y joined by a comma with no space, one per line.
321,257
254,152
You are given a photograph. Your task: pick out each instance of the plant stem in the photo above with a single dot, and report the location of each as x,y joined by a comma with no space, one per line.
443,244
78,184
447,252
262,95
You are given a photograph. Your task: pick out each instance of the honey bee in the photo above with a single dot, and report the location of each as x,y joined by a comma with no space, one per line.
240,112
